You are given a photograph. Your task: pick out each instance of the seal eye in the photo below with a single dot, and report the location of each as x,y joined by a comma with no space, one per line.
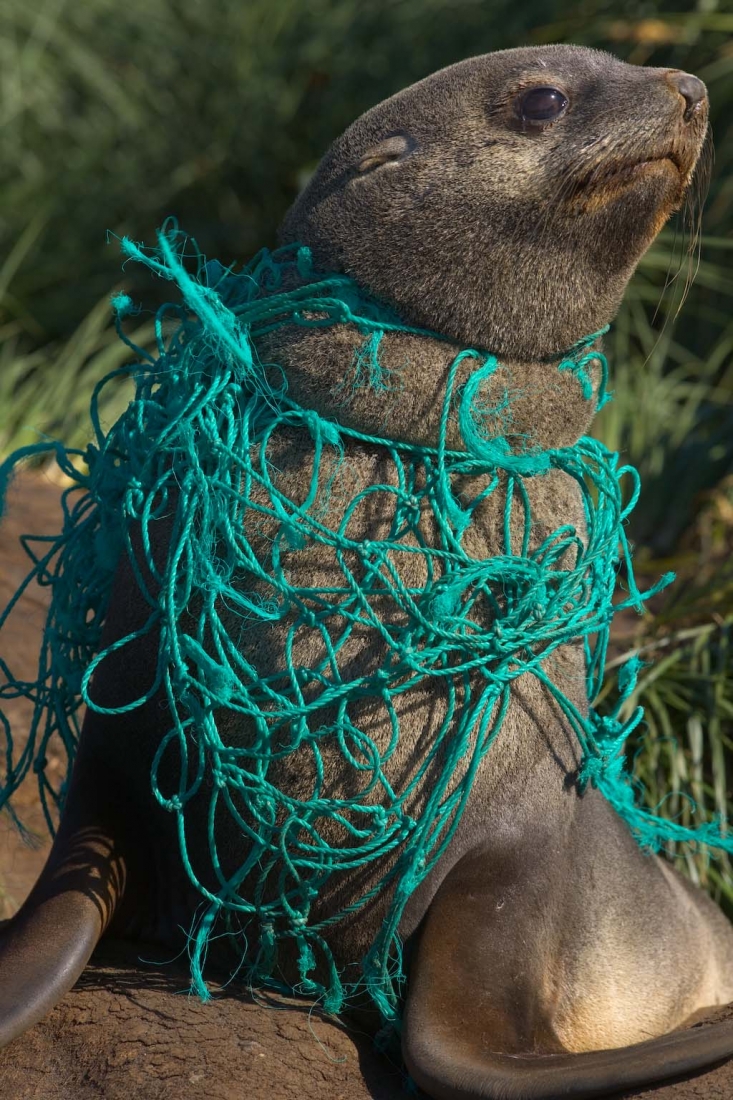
542,104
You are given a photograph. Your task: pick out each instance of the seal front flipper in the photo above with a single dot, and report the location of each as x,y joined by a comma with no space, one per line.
485,1015
104,837
46,945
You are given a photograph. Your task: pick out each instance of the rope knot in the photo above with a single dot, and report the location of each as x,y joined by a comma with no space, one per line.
331,432
136,495
371,552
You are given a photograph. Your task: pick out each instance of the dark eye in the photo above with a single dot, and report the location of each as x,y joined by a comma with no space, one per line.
542,104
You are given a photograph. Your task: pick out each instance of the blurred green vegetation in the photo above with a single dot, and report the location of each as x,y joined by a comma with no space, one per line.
114,116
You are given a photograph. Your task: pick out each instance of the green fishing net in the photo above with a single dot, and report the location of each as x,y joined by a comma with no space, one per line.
199,431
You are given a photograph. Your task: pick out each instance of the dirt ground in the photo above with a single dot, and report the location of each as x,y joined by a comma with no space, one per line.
33,507
128,1030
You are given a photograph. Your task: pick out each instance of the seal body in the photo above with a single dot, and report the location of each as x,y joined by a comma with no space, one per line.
504,203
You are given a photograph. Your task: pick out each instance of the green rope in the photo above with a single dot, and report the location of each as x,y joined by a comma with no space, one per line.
202,424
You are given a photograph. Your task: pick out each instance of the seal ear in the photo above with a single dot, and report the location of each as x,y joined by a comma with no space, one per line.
390,150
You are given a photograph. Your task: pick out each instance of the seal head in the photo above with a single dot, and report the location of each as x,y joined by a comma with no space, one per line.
531,180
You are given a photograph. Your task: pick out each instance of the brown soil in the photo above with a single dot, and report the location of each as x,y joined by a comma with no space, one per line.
128,1031
33,508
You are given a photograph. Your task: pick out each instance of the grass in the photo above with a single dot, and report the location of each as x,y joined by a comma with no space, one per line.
114,117
34,384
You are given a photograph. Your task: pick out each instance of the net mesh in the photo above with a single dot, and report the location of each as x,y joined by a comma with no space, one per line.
200,433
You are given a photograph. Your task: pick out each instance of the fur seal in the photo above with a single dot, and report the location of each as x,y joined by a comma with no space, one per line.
503,202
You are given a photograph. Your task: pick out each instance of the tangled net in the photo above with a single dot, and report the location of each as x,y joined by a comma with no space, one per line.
198,431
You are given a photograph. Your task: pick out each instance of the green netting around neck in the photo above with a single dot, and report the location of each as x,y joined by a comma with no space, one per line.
198,431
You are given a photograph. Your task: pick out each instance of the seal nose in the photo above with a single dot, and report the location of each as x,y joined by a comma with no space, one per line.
692,90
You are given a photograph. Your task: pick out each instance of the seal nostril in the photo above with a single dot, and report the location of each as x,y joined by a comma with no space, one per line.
692,90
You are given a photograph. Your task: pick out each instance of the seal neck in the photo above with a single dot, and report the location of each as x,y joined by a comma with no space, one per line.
338,351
